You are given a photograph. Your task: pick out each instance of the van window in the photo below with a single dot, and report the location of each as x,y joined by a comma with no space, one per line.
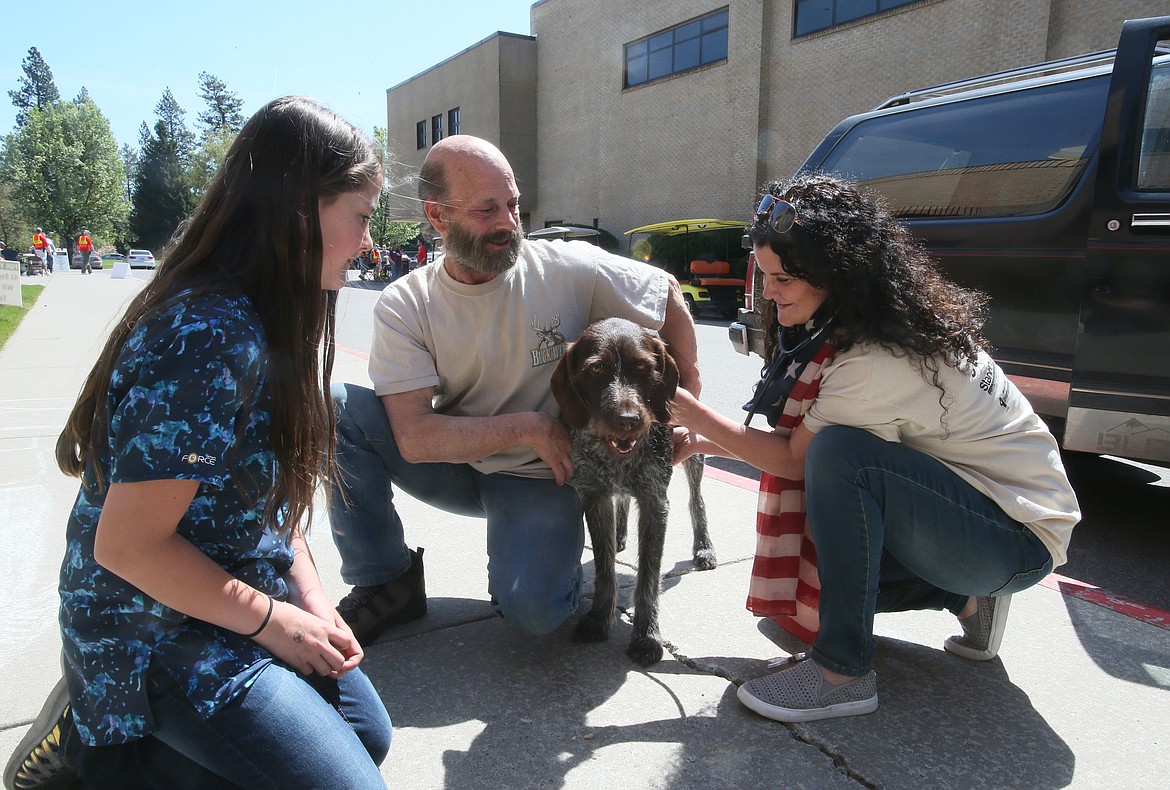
1004,155
1154,157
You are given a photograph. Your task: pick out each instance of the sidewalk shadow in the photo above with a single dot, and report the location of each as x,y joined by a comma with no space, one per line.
1123,554
1126,648
501,709
1121,543
955,723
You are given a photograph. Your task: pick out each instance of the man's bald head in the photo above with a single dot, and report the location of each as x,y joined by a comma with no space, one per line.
452,154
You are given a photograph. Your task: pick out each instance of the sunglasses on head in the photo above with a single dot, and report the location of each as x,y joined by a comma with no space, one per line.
776,214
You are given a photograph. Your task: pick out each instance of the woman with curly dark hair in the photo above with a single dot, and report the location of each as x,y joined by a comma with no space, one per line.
926,478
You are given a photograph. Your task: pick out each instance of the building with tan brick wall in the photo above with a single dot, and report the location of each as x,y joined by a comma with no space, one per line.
619,114
488,90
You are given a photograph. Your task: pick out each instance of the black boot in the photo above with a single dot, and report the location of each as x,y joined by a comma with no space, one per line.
370,610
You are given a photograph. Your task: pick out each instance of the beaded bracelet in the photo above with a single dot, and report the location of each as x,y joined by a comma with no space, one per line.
264,624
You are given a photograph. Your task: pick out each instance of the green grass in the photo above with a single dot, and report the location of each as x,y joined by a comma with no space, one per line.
11,315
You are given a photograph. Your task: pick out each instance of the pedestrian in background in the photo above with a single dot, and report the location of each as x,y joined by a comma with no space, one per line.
396,263
200,649
43,248
85,249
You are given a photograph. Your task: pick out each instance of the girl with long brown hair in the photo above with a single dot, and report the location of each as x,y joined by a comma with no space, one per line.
196,633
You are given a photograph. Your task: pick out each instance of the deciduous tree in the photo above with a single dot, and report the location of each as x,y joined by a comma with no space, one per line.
207,158
380,222
14,228
396,200
65,171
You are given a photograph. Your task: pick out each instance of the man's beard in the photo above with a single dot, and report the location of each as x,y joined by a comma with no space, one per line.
471,251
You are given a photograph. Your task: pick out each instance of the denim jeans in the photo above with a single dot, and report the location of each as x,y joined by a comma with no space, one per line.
286,730
896,530
535,532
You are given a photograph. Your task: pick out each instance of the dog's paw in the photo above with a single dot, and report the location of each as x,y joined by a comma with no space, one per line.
591,629
644,650
704,559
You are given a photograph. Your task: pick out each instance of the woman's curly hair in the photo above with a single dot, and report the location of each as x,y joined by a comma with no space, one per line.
882,285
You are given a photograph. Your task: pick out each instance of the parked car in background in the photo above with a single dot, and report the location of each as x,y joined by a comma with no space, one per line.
141,259
704,257
113,257
95,261
1065,226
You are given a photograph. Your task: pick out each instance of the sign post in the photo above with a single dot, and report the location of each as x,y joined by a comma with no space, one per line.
10,284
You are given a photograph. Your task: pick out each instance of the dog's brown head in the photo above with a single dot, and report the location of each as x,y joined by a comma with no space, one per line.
614,381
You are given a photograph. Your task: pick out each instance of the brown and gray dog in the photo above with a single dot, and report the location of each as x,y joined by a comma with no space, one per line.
614,386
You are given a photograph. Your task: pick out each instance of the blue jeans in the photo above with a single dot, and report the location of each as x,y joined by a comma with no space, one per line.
535,533
896,530
286,730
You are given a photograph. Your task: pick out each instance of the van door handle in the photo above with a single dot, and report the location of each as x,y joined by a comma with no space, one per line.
1161,221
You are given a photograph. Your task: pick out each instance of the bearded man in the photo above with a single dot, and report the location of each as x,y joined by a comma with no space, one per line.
461,415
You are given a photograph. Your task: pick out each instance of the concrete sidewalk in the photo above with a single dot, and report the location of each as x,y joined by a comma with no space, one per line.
1079,696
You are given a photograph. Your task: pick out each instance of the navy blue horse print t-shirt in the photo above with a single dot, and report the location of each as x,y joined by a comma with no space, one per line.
189,399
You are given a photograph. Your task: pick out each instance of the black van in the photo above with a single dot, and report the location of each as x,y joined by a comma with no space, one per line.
1048,188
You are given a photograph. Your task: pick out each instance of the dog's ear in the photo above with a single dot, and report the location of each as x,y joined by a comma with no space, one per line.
664,391
574,412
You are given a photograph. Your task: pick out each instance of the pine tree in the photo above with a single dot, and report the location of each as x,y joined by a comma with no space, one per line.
37,89
162,193
223,106
171,116
129,168
220,122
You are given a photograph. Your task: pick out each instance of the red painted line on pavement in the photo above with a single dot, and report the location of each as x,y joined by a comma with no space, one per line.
731,478
1117,603
354,351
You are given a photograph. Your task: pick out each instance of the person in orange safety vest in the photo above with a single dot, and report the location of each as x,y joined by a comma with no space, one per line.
43,248
85,247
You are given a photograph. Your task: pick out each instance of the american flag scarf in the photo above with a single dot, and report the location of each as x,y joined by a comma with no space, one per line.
784,584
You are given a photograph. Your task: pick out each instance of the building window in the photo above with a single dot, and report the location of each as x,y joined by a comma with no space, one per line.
420,135
814,15
436,128
681,48
453,121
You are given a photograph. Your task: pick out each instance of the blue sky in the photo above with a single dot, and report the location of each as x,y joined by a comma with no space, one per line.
345,53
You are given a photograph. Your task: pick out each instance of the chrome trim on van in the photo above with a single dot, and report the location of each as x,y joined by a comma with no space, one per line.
1150,221
1122,393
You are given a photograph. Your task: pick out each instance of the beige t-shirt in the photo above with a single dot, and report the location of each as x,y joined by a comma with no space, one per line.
991,438
490,349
